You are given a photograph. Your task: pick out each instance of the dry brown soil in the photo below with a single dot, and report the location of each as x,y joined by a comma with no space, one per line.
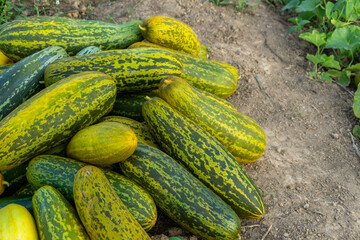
309,173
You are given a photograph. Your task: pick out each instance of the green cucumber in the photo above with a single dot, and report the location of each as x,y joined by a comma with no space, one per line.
132,69
89,49
23,37
130,104
55,217
204,157
25,201
180,195
20,81
59,172
54,115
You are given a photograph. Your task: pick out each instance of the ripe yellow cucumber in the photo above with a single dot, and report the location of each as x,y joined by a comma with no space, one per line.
16,222
104,143
55,217
101,211
140,129
214,77
25,36
238,133
54,115
170,32
132,69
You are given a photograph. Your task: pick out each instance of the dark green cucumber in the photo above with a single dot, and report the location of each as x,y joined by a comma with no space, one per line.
23,37
20,81
140,129
59,172
25,190
101,210
53,116
55,217
132,69
5,67
130,104
204,157
180,195
15,178
25,201
89,49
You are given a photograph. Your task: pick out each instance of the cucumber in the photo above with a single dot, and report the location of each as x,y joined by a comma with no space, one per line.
53,116
25,201
22,80
55,217
101,211
59,172
132,69
204,157
140,129
87,50
23,37
180,195
130,104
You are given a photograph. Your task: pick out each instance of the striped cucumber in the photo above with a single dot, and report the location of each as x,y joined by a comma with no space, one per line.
130,104
238,133
25,190
204,157
170,32
59,172
101,211
55,217
54,115
102,144
132,69
140,129
20,81
23,37
214,77
89,49
180,195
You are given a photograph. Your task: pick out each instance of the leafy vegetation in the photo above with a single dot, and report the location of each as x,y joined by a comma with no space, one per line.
239,4
10,11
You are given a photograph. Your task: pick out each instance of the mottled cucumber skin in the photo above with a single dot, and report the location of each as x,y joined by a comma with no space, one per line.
23,37
204,157
130,104
132,69
4,67
54,115
180,195
215,77
170,32
25,201
59,172
102,144
140,129
238,133
20,81
89,49
55,217
101,211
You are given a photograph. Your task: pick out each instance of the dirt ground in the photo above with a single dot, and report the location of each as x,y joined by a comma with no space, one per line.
309,173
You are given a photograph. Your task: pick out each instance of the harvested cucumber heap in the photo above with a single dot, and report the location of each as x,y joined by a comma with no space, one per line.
101,124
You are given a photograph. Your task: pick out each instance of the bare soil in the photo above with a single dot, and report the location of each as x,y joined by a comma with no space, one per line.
309,173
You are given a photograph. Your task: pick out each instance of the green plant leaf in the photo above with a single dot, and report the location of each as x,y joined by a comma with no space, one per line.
349,9
352,68
314,37
344,78
326,77
356,104
315,59
308,5
291,5
356,131
329,9
334,73
343,38
329,61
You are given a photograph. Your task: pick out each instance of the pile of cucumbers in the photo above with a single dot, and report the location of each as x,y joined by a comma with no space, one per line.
101,124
